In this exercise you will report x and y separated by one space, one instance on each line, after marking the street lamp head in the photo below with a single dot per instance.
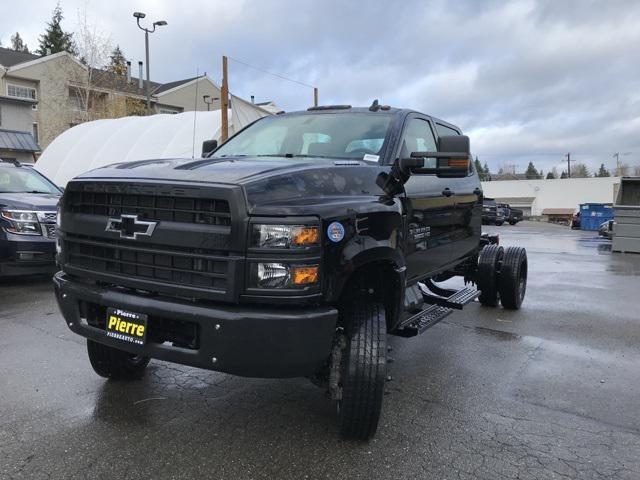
160 23
139 15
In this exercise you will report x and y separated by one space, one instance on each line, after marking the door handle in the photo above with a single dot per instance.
447 192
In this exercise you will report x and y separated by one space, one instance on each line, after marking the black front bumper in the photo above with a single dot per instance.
247 341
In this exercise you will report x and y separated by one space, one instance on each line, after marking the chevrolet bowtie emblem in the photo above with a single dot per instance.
128 226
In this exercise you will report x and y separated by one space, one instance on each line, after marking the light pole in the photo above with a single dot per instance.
138 16
208 99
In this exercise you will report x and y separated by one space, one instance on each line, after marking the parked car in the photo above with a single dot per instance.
515 215
28 202
292 250
491 214
606 229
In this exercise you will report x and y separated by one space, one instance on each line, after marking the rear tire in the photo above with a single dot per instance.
513 278
364 369
498 224
487 279
110 362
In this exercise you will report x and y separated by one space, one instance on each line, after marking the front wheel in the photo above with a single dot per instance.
364 369
110 362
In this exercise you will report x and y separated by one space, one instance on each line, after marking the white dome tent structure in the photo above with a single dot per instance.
104 142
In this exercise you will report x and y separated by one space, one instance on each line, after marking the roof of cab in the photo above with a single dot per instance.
325 109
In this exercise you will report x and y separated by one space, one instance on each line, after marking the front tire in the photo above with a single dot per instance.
109 362
364 369
513 278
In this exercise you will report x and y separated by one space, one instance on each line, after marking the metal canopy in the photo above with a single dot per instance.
17 141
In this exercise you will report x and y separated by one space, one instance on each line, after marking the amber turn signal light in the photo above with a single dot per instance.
304 275
306 236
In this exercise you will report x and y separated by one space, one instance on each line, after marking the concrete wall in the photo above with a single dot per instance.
559 193
25 157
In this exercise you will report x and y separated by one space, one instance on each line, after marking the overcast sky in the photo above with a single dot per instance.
527 80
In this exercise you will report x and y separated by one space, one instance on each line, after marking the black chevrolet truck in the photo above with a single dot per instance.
292 250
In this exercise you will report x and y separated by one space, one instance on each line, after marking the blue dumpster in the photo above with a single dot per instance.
593 214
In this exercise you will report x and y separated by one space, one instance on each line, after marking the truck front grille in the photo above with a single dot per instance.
188 253
186 267
151 207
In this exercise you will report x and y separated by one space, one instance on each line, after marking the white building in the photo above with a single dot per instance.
534 196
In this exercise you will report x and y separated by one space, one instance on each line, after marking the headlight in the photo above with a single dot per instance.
282 275
22 222
284 236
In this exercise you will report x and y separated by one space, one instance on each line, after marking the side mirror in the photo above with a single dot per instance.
208 146
451 160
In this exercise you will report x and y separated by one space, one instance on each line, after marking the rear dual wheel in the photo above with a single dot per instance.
502 274
512 282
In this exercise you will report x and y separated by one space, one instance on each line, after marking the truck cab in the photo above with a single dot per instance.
293 249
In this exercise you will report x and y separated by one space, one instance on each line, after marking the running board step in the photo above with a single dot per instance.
421 321
456 301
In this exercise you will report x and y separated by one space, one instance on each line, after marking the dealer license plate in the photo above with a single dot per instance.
127 326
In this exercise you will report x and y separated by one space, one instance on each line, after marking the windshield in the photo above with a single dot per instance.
343 135
24 180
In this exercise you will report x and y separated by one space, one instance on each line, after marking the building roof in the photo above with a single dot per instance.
114 81
100 78
9 58
168 86
17 141
558 211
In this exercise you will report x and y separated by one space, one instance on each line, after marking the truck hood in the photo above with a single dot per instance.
268 182
29 201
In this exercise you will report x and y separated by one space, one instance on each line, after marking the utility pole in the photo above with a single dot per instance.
224 103
568 155
315 96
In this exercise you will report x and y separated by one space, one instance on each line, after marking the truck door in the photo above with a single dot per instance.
467 212
429 206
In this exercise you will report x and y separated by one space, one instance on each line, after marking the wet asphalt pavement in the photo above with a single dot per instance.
550 391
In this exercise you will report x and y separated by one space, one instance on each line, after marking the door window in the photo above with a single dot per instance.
418 137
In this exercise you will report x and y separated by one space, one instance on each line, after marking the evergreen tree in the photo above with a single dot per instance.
564 174
55 38
580 170
487 172
603 172
531 172
479 168
18 44
550 176
541 174
117 62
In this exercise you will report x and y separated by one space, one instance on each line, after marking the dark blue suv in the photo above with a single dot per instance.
28 205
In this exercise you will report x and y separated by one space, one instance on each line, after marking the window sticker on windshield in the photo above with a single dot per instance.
370 158
4 179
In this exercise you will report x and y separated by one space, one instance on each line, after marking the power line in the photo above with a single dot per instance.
278 75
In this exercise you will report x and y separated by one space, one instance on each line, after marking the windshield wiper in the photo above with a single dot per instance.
34 191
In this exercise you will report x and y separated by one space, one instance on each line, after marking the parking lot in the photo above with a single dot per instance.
550 391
